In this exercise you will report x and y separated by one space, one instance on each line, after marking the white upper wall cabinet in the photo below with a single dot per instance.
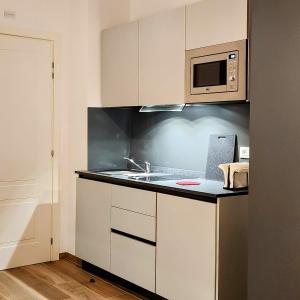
120 74
212 22
162 58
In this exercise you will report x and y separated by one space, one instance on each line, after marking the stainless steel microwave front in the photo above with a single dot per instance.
216 73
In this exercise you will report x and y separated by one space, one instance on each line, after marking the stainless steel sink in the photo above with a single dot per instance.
132 174
118 173
148 175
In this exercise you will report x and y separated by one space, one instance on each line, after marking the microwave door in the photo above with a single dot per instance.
209 74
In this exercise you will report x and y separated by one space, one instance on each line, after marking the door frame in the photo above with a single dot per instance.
56 52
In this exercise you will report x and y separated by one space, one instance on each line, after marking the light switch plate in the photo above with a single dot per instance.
244 152
9 14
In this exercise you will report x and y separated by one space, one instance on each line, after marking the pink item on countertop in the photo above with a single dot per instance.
188 182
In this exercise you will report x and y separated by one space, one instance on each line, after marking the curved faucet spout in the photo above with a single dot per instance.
147 168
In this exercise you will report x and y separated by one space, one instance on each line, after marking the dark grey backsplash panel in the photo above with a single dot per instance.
109 132
167 139
180 140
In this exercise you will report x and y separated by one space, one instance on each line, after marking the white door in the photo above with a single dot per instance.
26 99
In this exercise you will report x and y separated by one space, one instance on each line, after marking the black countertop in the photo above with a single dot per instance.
208 190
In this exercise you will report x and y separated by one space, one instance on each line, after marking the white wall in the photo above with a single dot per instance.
89 20
142 8
79 23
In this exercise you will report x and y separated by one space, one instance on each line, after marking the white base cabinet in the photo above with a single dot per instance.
133 222
133 260
93 204
176 247
201 248
135 200
136 224
186 248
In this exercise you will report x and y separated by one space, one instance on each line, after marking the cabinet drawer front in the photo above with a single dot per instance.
134 223
133 261
140 201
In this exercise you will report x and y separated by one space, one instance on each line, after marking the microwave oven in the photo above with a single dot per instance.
216 73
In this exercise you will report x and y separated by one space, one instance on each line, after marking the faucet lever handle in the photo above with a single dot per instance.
147 167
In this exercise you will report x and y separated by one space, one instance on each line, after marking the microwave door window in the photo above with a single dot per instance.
210 74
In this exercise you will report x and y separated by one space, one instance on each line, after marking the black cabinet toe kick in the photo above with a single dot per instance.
133 237
124 284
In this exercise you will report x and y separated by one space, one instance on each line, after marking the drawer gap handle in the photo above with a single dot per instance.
133 237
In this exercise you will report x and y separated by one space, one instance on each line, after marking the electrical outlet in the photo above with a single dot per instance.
244 152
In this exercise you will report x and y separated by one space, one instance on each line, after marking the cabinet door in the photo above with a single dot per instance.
162 58
93 205
212 22
186 248
119 67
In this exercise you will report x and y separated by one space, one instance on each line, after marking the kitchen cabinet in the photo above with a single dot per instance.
162 58
186 248
133 260
212 22
176 247
143 62
201 248
119 75
133 237
140 201
93 204
134 223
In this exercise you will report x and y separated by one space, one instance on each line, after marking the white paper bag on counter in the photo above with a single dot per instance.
236 175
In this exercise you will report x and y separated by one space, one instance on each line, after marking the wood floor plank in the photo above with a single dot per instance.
47 290
71 258
100 286
61 280
78 292
50 275
3 298
12 289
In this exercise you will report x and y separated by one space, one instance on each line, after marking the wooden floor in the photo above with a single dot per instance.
56 280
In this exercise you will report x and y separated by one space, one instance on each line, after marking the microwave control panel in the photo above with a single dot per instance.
232 71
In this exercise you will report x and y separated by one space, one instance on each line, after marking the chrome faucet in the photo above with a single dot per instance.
147 168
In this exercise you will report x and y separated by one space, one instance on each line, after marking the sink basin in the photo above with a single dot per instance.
140 176
119 173
147 175
132 174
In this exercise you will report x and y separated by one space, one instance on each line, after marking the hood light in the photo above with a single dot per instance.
162 108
